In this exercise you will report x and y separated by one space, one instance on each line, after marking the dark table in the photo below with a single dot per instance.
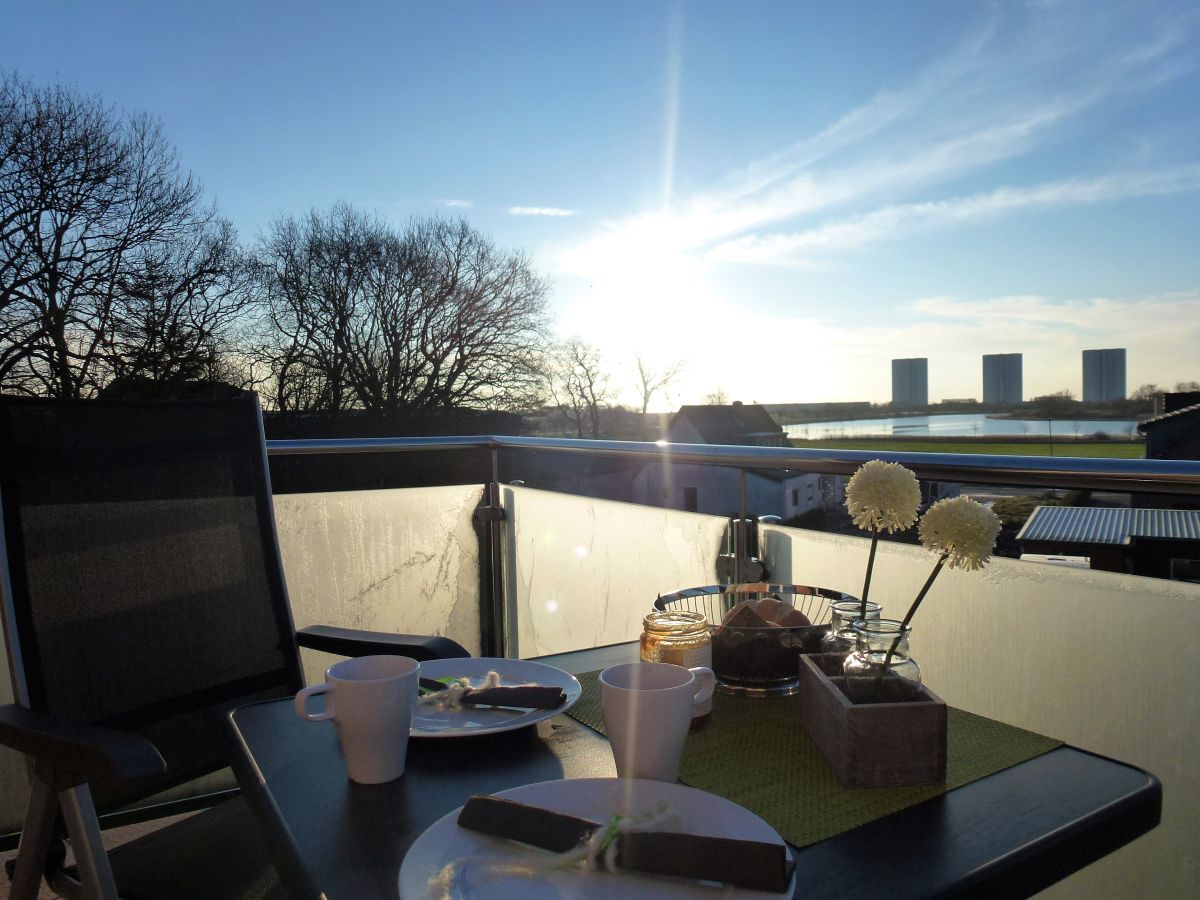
1008 835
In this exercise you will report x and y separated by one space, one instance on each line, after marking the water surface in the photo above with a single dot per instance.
961 425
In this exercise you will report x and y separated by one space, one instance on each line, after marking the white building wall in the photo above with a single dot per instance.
715 490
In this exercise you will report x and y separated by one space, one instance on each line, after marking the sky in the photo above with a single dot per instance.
780 196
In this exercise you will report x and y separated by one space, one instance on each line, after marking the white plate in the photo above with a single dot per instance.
591 798
431 722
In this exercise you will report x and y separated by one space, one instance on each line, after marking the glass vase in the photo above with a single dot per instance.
840 638
880 668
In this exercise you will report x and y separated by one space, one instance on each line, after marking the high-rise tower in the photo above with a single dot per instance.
1002 378
1103 375
910 382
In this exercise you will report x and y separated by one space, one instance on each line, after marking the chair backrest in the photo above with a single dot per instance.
142 581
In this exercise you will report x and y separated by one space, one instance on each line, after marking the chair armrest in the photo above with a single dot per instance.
353 642
89 752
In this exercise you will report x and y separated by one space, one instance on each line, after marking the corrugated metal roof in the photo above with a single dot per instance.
1180 413
1088 525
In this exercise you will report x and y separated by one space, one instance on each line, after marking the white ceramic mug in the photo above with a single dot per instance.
647 713
371 700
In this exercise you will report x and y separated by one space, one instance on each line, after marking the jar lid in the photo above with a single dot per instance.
681 619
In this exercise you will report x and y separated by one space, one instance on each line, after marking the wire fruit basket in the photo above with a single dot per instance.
758 659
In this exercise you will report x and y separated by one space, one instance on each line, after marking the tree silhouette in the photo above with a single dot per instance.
360 315
653 381
578 385
110 266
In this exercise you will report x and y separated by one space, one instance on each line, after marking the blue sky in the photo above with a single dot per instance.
785 195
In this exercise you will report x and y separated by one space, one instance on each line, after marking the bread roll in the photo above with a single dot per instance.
744 615
792 618
765 613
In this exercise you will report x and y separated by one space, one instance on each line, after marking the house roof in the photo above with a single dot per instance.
1186 412
732 424
1090 525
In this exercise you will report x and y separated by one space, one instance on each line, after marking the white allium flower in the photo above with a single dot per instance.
883 495
961 528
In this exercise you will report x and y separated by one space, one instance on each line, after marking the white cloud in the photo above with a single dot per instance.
896 165
1159 333
996 97
458 204
894 221
540 211
832 360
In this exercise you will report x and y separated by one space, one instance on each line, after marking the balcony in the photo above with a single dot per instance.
1095 658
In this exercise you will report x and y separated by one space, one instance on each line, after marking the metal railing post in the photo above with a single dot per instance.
741 545
494 626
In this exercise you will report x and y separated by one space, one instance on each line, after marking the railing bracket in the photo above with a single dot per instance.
489 514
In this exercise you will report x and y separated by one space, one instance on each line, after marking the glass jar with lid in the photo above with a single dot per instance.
680 637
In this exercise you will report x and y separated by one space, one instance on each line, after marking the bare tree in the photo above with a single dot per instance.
181 310
654 381
314 272
1146 392
485 323
1057 405
103 241
717 397
363 316
578 385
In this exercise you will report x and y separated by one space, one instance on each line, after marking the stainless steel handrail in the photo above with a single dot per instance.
1161 476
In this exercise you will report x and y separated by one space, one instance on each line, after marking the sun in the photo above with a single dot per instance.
647 288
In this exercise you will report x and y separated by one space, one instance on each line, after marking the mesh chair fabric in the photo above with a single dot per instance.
146 588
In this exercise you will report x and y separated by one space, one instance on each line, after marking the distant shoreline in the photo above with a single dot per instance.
998 445
803 414
977 439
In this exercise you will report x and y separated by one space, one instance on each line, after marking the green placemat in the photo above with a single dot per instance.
755 753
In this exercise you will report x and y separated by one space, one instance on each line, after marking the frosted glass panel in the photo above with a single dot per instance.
401 561
584 572
1106 662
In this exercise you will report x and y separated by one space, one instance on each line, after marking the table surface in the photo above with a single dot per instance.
1007 835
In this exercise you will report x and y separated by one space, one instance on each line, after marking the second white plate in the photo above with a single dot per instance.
431 722
597 799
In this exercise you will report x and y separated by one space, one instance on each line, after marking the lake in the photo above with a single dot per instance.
960 425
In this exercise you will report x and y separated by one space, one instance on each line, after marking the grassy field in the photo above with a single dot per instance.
1019 447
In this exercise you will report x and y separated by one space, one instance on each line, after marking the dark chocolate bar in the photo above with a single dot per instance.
526 696
527 824
748 864
751 864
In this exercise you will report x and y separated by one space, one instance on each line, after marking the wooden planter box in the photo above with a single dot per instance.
871 744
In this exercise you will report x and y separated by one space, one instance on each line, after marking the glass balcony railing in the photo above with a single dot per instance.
1099 659
549 564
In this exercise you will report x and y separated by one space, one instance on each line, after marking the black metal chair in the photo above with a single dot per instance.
144 597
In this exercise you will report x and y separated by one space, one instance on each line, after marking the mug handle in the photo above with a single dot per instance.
307 692
706 684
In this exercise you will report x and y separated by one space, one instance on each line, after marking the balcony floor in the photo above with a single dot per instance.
113 837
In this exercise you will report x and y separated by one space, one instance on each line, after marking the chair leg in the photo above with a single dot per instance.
83 827
36 836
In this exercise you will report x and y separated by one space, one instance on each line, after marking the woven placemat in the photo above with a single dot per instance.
755 753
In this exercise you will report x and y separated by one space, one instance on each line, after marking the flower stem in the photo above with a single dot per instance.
887 660
925 589
870 566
